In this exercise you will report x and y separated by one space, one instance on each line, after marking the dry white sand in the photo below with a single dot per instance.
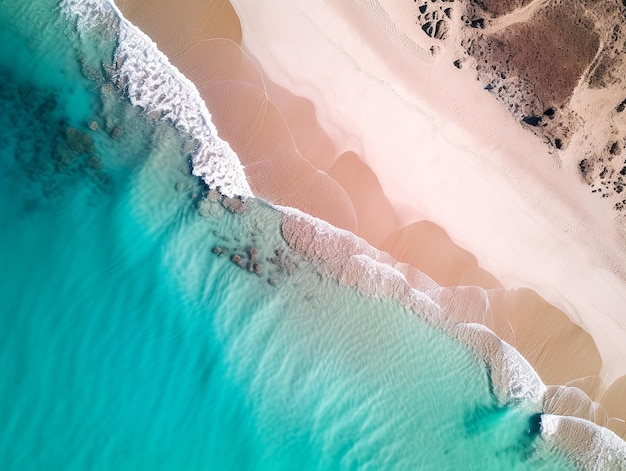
444 150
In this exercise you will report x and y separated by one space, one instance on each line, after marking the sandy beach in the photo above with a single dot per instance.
353 115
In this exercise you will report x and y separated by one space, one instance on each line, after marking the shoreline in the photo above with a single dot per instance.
539 215
375 172
569 418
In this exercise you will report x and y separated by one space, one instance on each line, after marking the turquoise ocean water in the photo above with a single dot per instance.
127 343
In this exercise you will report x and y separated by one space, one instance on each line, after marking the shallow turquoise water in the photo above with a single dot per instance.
128 344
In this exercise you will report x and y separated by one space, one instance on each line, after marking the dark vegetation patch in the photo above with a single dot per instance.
499 7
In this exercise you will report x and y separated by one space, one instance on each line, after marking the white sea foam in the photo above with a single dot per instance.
513 378
344 256
154 84
593 447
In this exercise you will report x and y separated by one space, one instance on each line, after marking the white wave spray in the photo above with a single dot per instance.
153 83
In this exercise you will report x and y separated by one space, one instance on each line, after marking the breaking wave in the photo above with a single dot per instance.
152 83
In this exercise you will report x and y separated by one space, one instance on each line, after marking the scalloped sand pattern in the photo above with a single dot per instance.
352 262
151 82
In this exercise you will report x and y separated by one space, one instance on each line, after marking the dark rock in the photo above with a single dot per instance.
558 143
79 141
478 23
219 251
615 149
428 28
457 63
583 166
619 108
549 112
441 30
532 120
423 8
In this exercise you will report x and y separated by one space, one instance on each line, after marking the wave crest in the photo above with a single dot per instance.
151 82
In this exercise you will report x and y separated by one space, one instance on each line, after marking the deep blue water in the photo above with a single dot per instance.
127 343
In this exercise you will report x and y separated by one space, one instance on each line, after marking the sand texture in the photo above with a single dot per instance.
367 117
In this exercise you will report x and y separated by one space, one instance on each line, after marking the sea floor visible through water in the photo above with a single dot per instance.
132 341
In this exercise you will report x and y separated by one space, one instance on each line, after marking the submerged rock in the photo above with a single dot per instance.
214 195
257 268
95 162
219 251
238 260
235 205
253 253
116 132
64 154
79 141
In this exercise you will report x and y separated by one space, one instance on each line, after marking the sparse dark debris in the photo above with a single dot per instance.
583 166
615 149
478 23
283 262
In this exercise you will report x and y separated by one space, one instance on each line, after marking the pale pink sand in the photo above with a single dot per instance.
427 247
235 94
465 163
257 132
375 216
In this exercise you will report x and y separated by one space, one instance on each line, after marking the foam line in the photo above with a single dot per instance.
154 84
151 82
